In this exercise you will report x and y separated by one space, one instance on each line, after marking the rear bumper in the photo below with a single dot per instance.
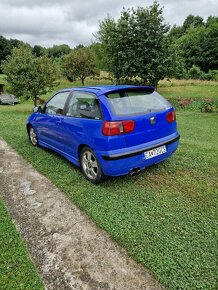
139 151
121 163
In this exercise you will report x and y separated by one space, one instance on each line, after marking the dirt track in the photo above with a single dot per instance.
68 249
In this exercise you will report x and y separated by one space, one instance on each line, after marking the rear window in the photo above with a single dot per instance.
136 102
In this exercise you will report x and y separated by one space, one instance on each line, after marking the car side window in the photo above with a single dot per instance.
84 105
56 105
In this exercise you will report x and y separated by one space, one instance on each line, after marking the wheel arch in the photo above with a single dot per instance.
28 125
80 147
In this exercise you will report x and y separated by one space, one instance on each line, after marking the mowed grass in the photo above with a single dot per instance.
16 269
167 218
188 89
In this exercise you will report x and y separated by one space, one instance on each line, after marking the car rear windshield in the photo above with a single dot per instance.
136 102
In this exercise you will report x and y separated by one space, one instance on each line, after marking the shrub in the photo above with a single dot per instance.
197 74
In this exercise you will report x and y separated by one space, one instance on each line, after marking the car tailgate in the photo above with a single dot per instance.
150 127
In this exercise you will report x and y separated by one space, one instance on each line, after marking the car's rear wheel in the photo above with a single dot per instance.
32 136
90 166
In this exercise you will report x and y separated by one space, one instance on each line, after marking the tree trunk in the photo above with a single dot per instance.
35 101
155 84
118 81
83 79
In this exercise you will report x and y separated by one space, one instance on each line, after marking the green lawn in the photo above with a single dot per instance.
16 269
167 218
189 89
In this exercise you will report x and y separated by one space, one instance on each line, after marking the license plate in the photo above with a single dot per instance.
155 152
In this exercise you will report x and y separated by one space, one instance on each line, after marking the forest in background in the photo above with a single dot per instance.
138 48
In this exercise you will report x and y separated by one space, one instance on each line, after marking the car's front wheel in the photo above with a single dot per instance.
32 136
90 166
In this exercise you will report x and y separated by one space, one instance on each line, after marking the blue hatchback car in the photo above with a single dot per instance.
107 130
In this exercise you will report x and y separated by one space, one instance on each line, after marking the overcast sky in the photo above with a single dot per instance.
49 22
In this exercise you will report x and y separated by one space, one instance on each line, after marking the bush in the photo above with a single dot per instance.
208 107
197 74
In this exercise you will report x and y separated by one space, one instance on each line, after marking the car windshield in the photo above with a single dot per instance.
136 102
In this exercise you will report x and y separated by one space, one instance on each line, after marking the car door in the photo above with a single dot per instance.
82 123
50 122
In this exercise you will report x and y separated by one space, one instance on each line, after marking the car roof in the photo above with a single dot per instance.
101 90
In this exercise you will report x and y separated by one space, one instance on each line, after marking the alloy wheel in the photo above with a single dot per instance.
90 165
33 137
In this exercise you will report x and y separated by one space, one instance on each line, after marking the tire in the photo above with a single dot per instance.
32 136
90 166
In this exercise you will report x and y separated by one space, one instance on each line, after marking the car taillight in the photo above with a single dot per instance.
117 128
171 116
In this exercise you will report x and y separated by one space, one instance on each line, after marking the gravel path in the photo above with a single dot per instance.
68 249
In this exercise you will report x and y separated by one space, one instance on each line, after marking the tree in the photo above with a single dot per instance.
15 43
199 47
209 47
192 21
211 20
99 56
58 51
29 76
137 44
108 36
176 32
78 47
6 46
38 50
196 44
80 63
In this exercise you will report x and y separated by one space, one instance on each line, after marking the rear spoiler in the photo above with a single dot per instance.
148 89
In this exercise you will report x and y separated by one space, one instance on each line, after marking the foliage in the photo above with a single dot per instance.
196 42
178 68
192 21
199 47
58 51
98 53
211 20
208 107
166 218
139 48
136 45
197 74
6 46
28 75
16 268
203 105
80 63
78 47
38 50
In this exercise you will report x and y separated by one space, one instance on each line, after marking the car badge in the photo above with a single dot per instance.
152 120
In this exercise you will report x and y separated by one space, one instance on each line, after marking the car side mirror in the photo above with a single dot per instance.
37 109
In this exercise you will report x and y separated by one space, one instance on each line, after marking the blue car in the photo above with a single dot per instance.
107 130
